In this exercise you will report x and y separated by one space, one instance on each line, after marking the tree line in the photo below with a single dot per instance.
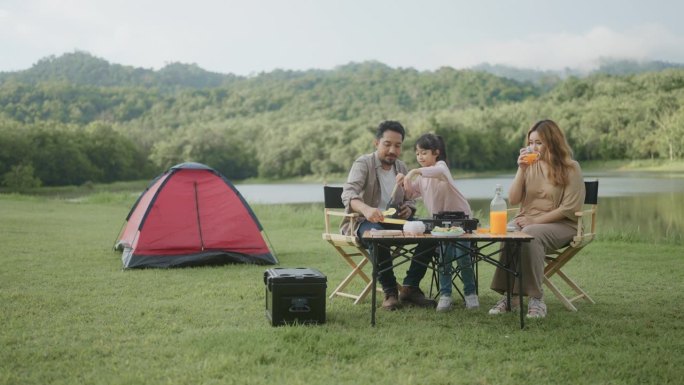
58 130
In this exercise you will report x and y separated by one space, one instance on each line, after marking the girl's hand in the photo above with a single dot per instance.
406 180
400 178
413 173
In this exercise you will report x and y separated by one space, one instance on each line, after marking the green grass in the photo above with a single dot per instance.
71 315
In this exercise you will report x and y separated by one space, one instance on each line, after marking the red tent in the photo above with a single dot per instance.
192 215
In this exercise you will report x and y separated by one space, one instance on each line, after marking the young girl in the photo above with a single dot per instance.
433 181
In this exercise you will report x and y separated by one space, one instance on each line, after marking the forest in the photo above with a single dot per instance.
76 118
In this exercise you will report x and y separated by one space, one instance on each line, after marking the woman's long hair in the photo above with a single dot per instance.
558 153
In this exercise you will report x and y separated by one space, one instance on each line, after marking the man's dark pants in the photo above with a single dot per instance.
417 268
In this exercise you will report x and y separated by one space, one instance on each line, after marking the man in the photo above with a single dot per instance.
367 191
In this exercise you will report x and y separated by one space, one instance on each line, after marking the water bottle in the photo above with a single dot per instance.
497 212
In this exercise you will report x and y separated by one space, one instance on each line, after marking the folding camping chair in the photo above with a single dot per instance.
586 231
348 246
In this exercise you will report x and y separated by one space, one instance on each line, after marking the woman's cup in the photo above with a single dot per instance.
531 157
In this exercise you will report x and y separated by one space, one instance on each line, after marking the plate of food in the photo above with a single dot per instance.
453 231
394 221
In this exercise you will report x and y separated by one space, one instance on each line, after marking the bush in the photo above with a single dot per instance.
20 178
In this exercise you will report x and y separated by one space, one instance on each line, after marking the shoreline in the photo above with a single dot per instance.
624 167
592 167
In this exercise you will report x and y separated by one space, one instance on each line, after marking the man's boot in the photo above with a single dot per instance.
391 301
414 296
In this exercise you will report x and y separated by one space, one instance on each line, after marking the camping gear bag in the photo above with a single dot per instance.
295 295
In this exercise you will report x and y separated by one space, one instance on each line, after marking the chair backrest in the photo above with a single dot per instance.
591 198
591 187
333 197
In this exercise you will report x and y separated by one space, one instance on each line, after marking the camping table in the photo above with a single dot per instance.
401 241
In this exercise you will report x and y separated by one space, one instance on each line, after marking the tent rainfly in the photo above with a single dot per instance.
192 215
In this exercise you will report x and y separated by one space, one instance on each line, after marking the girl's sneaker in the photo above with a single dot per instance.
445 303
471 301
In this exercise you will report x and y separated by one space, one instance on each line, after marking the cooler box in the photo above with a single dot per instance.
295 295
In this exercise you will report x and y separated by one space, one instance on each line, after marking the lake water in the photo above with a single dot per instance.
480 188
643 206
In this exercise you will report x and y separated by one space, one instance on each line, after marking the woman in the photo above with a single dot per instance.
549 190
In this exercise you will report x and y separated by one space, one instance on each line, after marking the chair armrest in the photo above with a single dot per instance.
580 238
337 212
343 214
581 213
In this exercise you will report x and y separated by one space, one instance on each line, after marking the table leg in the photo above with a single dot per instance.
374 261
509 286
473 262
518 246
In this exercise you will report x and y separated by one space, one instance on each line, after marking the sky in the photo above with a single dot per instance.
253 36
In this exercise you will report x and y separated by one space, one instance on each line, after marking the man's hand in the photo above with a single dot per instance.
404 211
373 214
400 178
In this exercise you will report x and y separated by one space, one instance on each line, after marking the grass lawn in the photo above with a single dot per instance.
71 315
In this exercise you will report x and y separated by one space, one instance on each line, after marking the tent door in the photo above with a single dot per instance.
199 222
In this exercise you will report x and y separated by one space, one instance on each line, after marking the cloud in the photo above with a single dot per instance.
239 37
581 51
69 10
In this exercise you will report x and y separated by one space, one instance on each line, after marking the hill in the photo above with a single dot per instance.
550 77
109 122
82 68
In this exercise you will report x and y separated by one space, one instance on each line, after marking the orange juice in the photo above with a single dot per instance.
531 157
497 222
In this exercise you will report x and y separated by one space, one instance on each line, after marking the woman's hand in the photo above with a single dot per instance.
522 163
524 221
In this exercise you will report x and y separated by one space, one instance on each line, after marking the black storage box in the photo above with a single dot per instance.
295 295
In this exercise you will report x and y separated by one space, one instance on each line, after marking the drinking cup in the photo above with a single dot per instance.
531 157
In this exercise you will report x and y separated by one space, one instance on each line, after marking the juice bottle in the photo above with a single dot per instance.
497 212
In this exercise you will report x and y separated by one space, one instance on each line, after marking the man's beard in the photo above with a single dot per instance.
388 161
